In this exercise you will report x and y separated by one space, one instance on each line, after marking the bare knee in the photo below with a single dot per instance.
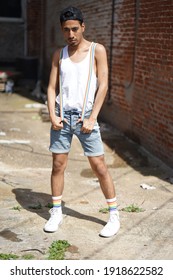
101 170
99 167
59 165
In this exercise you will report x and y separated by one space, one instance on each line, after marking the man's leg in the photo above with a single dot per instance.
99 167
59 163
57 185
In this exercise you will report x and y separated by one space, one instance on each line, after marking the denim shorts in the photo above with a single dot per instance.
60 140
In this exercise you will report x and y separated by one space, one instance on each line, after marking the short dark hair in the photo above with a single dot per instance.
71 13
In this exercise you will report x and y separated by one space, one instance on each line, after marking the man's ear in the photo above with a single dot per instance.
83 26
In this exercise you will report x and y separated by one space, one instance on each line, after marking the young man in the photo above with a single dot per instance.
82 86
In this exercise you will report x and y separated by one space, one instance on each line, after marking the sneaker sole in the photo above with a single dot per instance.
51 231
107 236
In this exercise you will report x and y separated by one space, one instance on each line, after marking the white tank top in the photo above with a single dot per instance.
74 78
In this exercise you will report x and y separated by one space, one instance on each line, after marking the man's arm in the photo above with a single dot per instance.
51 93
102 76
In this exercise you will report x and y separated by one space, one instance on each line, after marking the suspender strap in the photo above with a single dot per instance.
91 66
60 87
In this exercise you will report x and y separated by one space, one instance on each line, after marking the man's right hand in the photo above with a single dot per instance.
57 123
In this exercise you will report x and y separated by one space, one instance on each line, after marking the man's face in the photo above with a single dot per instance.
73 32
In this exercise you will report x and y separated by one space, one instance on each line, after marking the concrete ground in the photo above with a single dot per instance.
25 168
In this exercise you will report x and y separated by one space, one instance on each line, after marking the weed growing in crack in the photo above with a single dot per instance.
133 208
57 250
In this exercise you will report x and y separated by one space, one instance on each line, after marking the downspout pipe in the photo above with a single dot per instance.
41 56
110 53
24 14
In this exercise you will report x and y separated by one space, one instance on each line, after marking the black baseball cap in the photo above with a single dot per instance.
71 13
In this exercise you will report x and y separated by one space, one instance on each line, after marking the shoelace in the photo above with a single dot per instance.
53 213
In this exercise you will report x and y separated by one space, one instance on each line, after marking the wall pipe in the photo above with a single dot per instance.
110 52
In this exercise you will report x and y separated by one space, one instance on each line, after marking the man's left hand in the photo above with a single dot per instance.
88 125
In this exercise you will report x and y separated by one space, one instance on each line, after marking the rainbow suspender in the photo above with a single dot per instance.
91 66
60 88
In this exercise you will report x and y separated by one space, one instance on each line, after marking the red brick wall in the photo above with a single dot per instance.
152 107
140 98
122 67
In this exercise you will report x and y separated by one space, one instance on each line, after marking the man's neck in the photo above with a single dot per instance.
82 45
79 52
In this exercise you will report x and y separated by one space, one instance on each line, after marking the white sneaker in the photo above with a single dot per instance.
54 221
112 227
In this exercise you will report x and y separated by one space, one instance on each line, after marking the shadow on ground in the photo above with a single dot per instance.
39 203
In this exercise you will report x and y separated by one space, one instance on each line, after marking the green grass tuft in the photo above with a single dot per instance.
133 208
8 256
57 250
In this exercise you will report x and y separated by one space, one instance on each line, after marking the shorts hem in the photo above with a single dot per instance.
93 154
58 151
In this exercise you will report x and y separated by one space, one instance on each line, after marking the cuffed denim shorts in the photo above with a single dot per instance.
60 140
